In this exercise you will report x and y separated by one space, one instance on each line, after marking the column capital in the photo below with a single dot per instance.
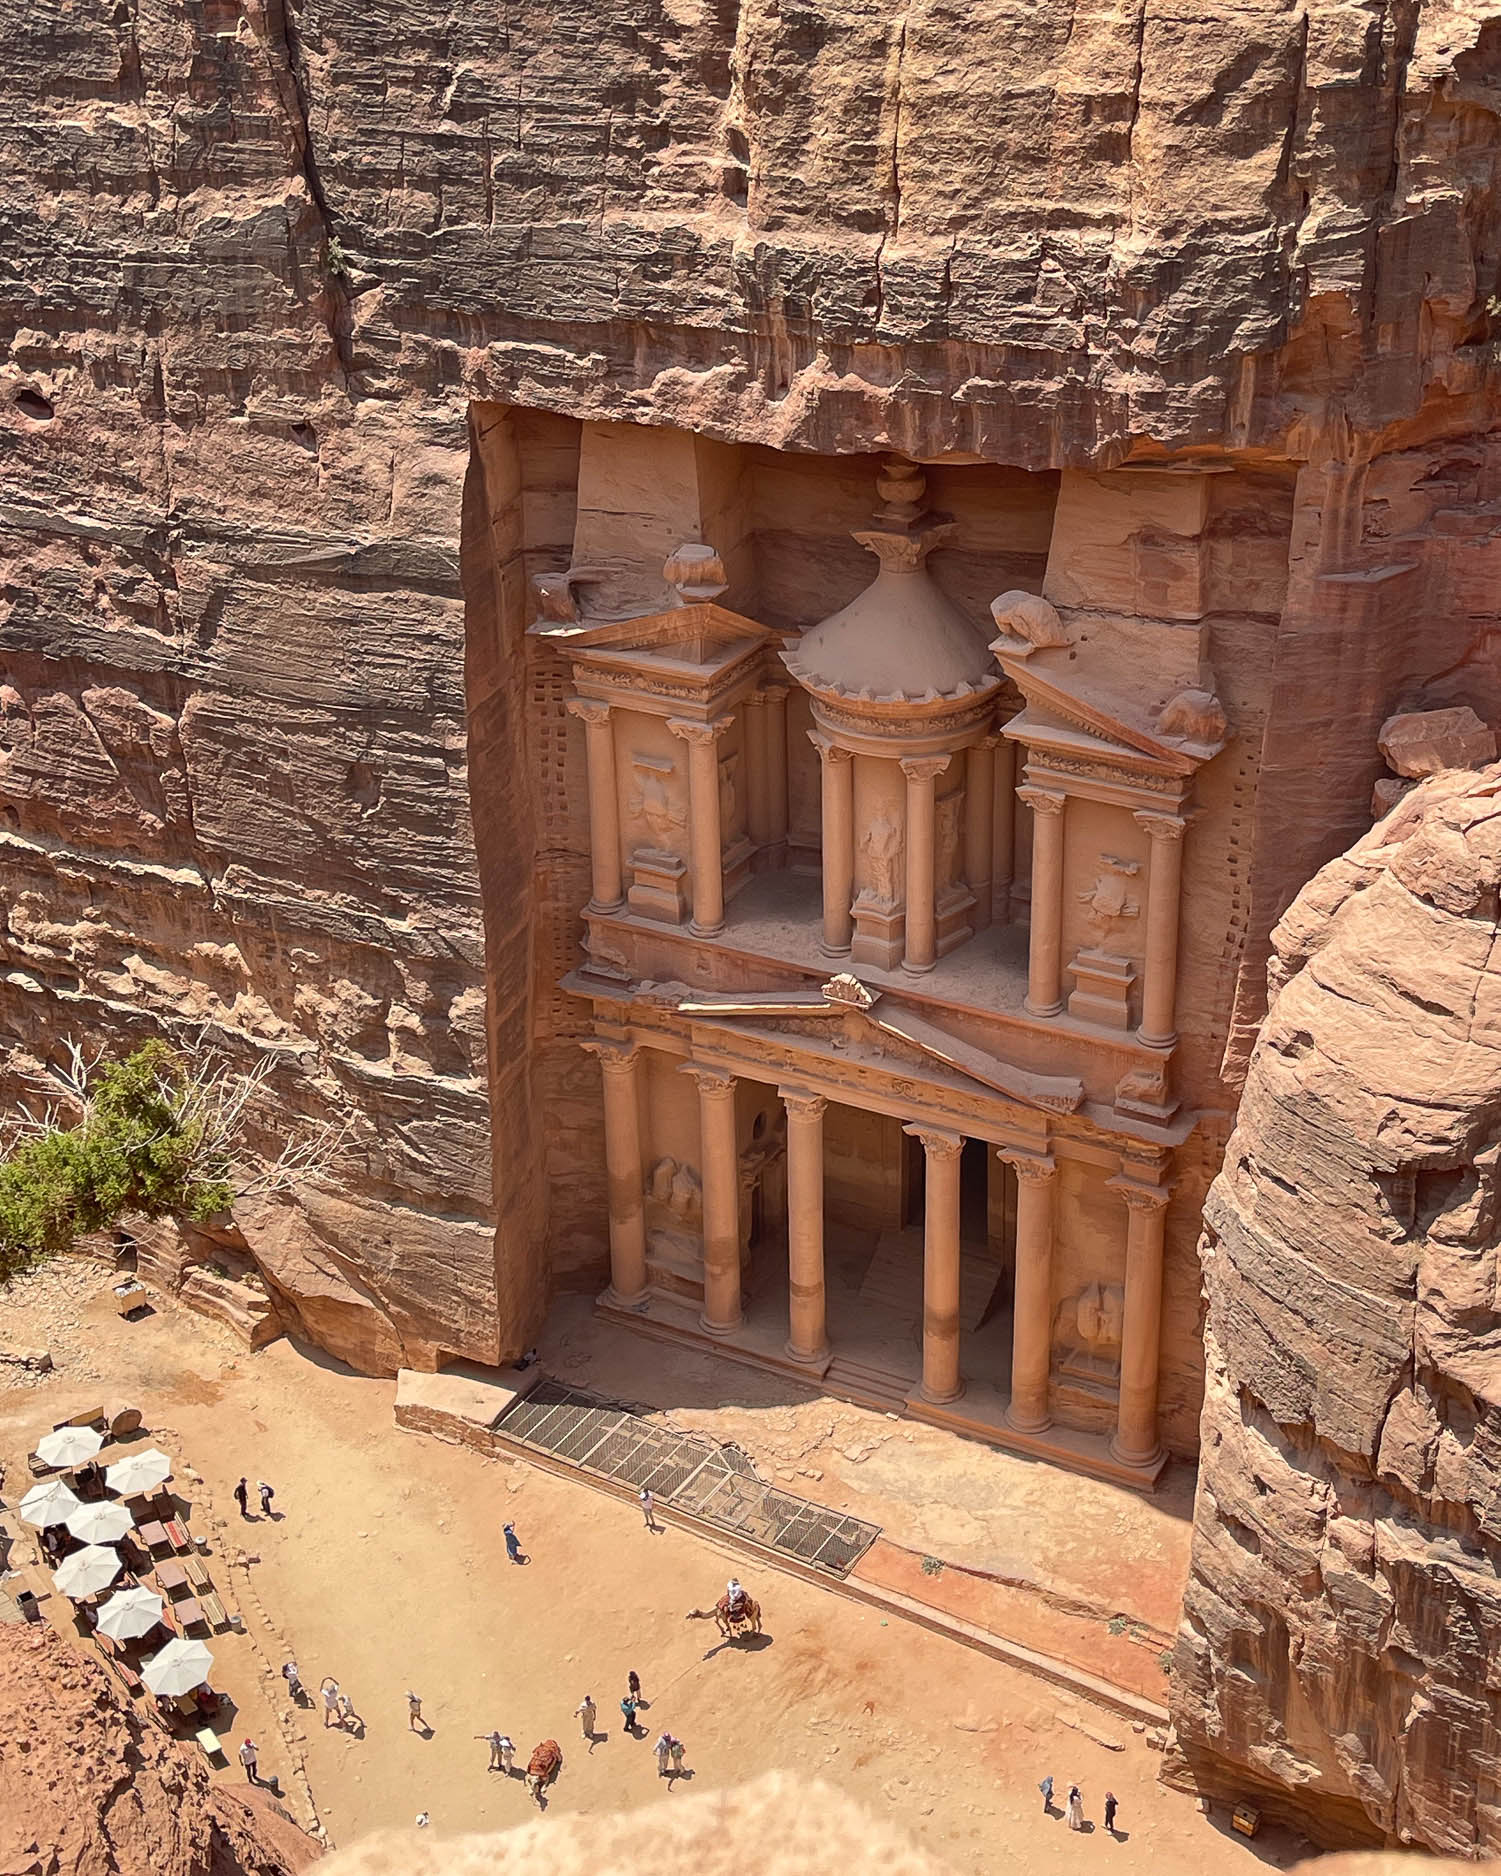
1028 1165
701 734
588 709
615 1058
772 692
938 1142
1042 800
828 749
802 1103
1160 826
1139 1197
992 740
924 768
713 1083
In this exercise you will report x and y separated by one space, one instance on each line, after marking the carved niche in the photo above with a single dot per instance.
658 870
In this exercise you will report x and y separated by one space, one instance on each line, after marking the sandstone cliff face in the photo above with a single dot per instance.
261 757
86 1787
1343 1616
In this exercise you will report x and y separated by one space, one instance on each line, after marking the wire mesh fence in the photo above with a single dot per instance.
713 1481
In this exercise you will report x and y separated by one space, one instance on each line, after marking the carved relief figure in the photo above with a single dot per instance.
1109 898
881 845
655 803
675 1187
1087 1331
946 812
729 795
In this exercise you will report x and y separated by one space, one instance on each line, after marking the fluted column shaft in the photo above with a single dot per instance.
1164 889
607 892
1032 1302
706 835
758 770
1136 1441
941 1264
719 1174
1045 956
776 764
624 1171
979 828
1005 826
838 844
920 949
807 1337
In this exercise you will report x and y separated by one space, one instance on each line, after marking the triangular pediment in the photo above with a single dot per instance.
704 634
1117 720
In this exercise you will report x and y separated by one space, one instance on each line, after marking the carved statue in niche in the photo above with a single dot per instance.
1109 898
1087 1332
946 812
881 845
674 1185
655 803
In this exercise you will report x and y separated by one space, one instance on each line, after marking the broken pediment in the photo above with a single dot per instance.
1166 729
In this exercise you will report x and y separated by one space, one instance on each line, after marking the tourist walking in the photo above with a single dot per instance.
648 1509
415 1721
1075 1808
663 1750
266 1496
293 1679
330 1693
677 1756
347 1715
628 1708
633 1687
513 1543
584 1713
250 1759
1111 1804
242 1498
507 1753
496 1742
1046 1788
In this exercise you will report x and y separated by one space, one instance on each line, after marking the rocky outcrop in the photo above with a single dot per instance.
1343 1614
264 769
86 1786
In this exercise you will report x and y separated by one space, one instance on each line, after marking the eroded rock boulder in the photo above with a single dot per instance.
1426 742
1342 1619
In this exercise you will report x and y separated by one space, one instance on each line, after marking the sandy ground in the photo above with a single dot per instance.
386 1570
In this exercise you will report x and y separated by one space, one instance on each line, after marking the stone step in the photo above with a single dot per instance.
866 1386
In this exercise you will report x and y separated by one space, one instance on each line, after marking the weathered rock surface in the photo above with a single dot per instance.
1426 742
1342 1621
263 763
85 1787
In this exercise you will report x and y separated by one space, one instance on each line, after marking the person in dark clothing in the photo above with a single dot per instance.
242 1498
1046 1788
266 1496
513 1544
1110 1807
633 1687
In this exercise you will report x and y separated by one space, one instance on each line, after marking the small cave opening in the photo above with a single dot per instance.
32 404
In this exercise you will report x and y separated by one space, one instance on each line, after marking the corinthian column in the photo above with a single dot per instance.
940 1264
707 839
979 827
920 948
1164 885
1045 955
1136 1442
625 1174
807 1337
1032 1300
838 844
604 804
719 1172
776 766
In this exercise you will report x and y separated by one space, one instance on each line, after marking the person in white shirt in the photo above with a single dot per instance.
249 1758
330 1693
498 1743
663 1750
648 1509
585 1713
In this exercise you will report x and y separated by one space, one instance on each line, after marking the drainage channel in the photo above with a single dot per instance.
713 1481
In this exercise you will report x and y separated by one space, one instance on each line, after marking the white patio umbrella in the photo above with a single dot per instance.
48 1503
87 1571
69 1446
130 1613
138 1473
180 1667
101 1523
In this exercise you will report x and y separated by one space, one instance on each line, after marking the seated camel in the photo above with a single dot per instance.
543 1767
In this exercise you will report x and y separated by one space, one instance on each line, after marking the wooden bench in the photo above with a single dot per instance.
177 1535
210 1742
93 1417
213 1610
196 1574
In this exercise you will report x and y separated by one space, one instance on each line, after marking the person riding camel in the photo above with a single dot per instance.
734 1596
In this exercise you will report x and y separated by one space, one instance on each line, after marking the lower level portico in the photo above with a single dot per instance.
802 1191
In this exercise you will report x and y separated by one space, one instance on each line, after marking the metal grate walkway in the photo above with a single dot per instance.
714 1482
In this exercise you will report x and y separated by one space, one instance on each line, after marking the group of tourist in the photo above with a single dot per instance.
1074 1811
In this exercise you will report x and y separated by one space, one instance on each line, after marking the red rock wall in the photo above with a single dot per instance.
259 265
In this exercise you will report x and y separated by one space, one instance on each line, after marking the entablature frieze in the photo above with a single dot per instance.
1107 782
904 733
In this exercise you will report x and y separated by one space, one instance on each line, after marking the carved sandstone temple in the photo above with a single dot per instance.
882 940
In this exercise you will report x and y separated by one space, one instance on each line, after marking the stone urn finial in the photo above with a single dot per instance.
902 487
695 573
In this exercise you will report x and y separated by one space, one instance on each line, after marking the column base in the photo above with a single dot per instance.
613 1299
825 949
1154 1456
1043 1009
705 931
1148 1041
600 908
815 1358
1021 1422
719 1328
935 1398
917 970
